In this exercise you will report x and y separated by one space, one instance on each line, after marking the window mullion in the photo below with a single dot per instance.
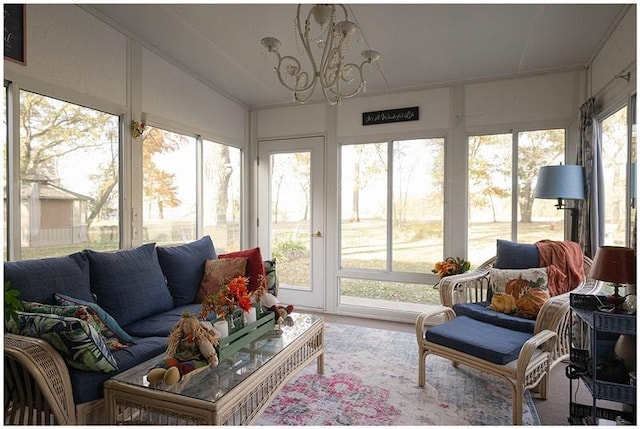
199 187
390 145
514 186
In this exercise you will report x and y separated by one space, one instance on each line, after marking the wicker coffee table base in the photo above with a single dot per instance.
128 404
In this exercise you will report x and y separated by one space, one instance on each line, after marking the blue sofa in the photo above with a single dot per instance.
145 290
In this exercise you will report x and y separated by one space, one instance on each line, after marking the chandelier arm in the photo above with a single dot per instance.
304 37
355 90
297 75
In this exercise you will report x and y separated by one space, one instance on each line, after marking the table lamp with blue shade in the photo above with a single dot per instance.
562 182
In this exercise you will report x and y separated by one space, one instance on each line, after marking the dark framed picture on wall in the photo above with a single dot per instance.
14 33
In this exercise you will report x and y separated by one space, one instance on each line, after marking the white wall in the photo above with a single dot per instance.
69 49
617 54
169 93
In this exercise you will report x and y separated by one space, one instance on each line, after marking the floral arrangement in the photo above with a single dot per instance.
451 266
232 295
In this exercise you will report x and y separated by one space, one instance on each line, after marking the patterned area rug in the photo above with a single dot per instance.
371 378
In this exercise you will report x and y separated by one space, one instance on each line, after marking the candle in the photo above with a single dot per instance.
251 315
222 327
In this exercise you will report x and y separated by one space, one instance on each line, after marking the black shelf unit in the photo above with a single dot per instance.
603 329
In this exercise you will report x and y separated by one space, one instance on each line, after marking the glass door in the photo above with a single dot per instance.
291 216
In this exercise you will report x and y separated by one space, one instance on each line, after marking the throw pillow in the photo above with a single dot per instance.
255 267
530 303
38 279
79 344
510 255
218 272
77 311
129 284
273 283
183 266
108 325
515 282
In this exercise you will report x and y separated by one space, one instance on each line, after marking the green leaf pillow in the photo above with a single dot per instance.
77 341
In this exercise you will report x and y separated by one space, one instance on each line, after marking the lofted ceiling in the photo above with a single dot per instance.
422 45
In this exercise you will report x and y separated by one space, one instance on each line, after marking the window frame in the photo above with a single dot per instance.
388 275
515 129
200 141
13 88
605 113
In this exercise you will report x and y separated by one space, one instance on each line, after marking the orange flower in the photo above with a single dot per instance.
244 302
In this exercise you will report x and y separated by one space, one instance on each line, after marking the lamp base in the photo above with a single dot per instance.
615 301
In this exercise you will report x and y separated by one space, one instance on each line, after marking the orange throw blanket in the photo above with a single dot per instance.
564 263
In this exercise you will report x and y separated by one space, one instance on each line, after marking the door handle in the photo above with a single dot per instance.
317 234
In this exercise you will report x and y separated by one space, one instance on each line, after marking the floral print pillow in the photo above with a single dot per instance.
217 273
77 341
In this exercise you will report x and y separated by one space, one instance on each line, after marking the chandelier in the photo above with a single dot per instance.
338 78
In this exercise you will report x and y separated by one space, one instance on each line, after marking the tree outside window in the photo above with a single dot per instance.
69 170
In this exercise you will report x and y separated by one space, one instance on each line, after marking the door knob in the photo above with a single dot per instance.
317 234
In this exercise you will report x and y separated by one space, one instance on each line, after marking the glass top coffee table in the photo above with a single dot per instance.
233 393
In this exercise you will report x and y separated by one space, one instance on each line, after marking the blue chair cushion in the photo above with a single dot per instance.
183 266
510 255
88 385
39 279
479 311
482 340
129 284
159 325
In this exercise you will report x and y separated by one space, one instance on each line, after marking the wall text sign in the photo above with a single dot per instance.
392 115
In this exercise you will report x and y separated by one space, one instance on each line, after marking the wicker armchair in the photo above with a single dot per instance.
548 346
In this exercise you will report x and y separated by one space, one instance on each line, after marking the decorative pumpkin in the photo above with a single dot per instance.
530 303
503 302
515 287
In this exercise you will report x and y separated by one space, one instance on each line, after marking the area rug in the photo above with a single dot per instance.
371 379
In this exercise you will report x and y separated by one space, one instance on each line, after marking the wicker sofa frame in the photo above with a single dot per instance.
548 346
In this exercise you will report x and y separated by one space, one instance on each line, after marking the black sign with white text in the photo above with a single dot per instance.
393 115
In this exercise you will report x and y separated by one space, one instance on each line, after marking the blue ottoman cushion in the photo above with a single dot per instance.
483 340
129 284
39 279
479 311
183 266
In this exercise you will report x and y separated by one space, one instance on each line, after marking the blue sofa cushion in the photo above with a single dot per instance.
183 266
479 311
510 255
483 340
129 284
87 386
159 325
39 279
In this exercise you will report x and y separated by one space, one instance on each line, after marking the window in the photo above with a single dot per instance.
174 211
221 195
615 159
391 220
496 193
69 177
169 187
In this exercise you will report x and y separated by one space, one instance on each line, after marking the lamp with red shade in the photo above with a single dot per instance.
616 265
